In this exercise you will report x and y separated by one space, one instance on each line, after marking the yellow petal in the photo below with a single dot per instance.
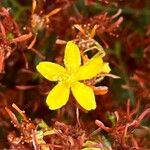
91 68
105 68
84 95
51 71
58 96
72 58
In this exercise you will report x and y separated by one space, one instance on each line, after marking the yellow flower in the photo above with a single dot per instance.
69 77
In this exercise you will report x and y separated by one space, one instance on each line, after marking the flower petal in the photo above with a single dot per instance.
58 96
105 68
51 71
91 68
84 95
72 58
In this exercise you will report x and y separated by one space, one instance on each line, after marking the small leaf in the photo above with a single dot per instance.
89 145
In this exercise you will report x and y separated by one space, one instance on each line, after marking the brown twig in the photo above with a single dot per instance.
22 113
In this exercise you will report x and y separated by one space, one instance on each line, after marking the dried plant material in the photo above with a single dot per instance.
22 38
100 90
124 130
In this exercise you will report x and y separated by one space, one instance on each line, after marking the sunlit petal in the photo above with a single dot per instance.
51 71
91 68
72 58
84 95
58 96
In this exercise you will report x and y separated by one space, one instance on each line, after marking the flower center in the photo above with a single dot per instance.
69 79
